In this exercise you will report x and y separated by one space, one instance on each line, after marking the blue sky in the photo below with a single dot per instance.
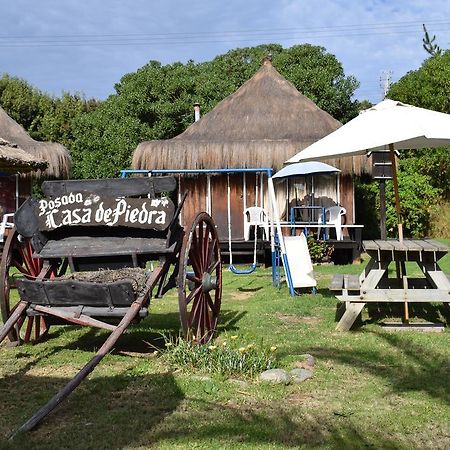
86 47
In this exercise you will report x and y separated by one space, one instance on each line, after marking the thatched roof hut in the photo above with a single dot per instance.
13 159
265 122
56 155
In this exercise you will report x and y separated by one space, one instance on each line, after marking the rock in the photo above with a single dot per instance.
307 360
279 376
300 375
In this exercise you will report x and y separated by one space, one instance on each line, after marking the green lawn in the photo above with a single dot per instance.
371 388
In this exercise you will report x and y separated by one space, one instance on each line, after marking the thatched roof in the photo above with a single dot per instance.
264 123
56 155
13 159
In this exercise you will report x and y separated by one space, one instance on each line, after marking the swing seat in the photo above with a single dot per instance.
237 271
257 217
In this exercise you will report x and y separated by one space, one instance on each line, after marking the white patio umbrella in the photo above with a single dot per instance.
308 169
305 168
388 125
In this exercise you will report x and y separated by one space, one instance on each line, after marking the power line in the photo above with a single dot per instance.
208 37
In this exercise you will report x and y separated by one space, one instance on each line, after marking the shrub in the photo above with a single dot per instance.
319 250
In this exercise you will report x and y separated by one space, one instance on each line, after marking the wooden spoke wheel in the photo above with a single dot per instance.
200 280
16 263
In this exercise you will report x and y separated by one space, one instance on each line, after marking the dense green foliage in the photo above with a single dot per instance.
428 87
418 200
156 101
46 118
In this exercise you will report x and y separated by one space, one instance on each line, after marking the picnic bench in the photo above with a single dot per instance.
381 283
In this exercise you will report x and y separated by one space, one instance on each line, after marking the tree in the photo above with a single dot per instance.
428 45
428 87
44 117
156 101
25 104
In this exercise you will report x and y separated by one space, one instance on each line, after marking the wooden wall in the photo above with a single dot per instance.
197 201
8 192
325 194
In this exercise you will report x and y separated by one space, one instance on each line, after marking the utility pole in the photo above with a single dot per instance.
385 82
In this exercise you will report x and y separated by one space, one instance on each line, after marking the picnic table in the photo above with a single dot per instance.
377 284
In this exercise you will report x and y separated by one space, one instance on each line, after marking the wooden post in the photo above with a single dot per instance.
396 193
383 209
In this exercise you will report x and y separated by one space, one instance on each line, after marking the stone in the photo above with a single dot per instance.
300 375
308 360
279 376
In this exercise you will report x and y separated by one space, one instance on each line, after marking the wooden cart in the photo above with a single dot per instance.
94 252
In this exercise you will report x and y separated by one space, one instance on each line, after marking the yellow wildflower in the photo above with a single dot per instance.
273 348
234 337
242 349
224 343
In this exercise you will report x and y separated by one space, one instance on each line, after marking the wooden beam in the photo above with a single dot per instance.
352 311
81 320
13 318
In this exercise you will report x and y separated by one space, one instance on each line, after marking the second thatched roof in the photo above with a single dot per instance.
56 155
264 123
15 160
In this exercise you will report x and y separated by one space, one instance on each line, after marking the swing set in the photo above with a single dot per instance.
278 252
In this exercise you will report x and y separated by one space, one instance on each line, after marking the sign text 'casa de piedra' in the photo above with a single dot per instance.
87 209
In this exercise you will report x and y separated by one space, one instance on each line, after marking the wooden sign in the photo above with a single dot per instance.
88 209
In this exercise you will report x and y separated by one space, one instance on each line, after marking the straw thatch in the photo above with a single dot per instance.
56 155
13 159
264 123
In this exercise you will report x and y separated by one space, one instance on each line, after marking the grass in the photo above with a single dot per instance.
371 388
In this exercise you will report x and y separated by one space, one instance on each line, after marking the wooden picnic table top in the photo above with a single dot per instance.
407 245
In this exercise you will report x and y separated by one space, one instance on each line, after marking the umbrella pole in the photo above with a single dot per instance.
397 196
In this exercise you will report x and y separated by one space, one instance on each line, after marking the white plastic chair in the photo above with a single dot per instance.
333 216
257 217
7 222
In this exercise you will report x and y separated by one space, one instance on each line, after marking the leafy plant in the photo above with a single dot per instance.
227 357
319 250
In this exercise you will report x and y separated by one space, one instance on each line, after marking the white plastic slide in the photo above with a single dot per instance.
299 261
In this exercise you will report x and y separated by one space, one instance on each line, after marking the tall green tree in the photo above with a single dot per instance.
45 117
428 87
156 101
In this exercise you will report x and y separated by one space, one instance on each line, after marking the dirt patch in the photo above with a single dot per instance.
300 398
292 319
53 372
241 295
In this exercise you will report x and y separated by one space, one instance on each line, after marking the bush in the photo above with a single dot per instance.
418 200
319 250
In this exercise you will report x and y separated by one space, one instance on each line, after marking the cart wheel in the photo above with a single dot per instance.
16 263
200 280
